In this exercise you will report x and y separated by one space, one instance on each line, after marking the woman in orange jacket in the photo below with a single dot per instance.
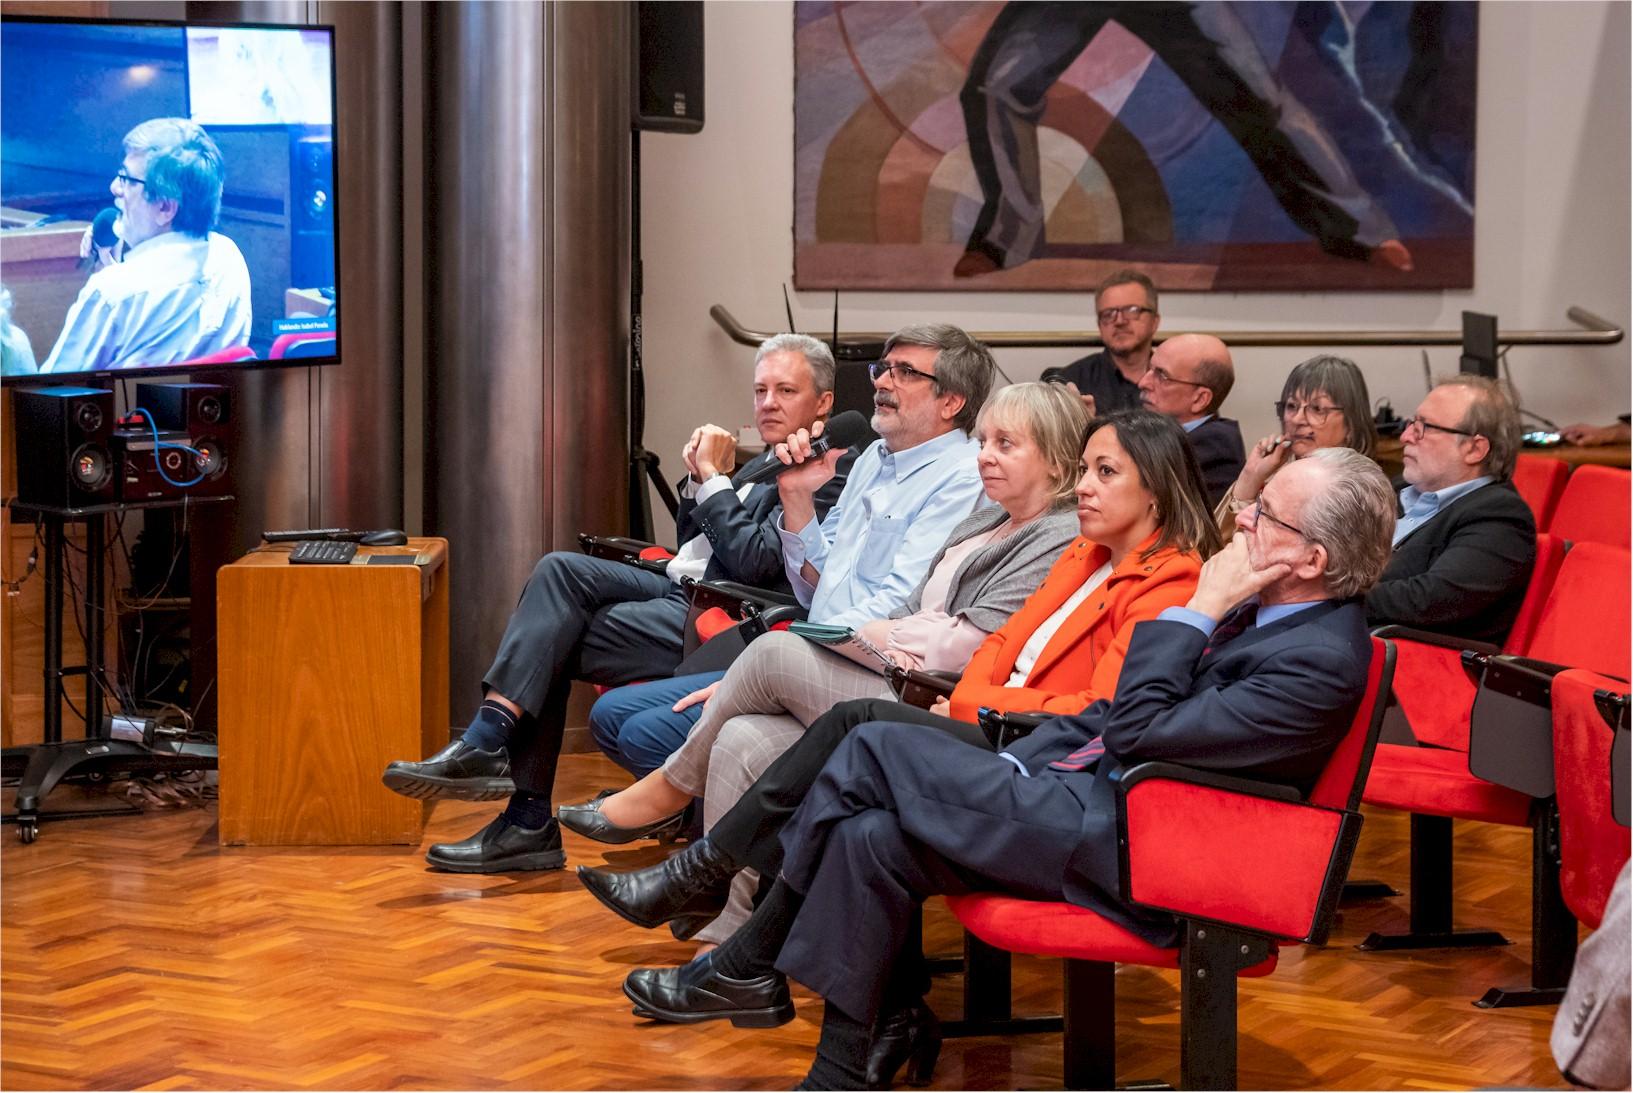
1080 660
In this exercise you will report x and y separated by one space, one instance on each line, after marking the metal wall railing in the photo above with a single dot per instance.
1594 331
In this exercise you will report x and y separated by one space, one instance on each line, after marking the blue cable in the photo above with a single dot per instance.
158 444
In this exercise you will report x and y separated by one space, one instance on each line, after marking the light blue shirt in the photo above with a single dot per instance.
1419 508
1192 426
876 543
174 297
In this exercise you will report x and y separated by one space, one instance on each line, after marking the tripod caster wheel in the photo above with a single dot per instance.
28 830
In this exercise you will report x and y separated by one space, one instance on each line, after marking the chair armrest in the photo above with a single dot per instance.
1218 848
921 688
1230 783
1511 724
1613 708
1003 727
635 552
1443 641
740 599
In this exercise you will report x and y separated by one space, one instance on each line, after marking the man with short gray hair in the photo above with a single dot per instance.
1466 541
611 623
173 289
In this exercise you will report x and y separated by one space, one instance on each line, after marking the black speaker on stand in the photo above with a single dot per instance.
667 97
64 459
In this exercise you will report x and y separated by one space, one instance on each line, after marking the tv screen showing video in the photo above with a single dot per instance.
167 198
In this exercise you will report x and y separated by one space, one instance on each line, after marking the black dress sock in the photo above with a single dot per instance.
752 951
491 727
529 810
842 1053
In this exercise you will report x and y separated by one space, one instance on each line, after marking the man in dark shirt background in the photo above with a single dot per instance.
1125 305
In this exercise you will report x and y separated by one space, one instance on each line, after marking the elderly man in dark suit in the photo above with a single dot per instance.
1465 541
1259 674
1189 377
589 618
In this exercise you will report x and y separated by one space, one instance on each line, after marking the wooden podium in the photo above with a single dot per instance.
326 674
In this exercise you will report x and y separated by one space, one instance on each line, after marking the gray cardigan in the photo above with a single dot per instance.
991 584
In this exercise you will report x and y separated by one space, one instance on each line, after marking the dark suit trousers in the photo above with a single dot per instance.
580 618
748 833
901 813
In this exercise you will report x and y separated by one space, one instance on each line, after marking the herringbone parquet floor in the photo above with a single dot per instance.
136 953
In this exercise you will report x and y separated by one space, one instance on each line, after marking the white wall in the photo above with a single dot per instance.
1552 229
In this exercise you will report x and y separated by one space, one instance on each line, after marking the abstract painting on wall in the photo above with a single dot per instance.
1214 145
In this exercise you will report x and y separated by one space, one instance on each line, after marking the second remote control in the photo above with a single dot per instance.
322 552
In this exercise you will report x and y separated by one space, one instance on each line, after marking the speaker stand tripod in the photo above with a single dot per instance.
40 767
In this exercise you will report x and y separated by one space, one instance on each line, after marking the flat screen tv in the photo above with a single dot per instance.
167 198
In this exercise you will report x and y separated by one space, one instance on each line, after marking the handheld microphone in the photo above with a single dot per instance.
846 430
102 235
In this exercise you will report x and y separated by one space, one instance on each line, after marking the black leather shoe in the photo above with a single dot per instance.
695 992
586 819
502 847
690 888
911 1036
458 772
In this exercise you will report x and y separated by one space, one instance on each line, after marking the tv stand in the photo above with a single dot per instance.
41 767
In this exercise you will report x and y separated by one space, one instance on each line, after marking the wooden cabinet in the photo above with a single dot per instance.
326 674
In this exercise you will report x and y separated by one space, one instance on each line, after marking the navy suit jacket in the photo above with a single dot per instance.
743 533
1270 705
1217 443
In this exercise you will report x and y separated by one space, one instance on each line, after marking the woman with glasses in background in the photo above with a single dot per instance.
1323 404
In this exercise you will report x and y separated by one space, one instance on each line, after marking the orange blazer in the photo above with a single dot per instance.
1081 662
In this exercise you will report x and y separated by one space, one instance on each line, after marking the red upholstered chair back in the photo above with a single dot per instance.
1344 778
1594 507
1550 553
1592 845
231 355
1539 480
1585 622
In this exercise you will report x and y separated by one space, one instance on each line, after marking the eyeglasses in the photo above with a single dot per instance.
1423 426
129 180
899 372
1258 510
1128 312
1289 410
1165 376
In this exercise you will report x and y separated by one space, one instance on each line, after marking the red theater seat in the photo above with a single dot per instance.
1171 823
231 355
1583 623
312 343
1592 846
1539 480
1594 507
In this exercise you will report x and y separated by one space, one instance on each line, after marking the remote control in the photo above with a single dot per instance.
342 534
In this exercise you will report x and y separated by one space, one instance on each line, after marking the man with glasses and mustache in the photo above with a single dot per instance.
174 289
904 495
1125 306
1189 377
1465 541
